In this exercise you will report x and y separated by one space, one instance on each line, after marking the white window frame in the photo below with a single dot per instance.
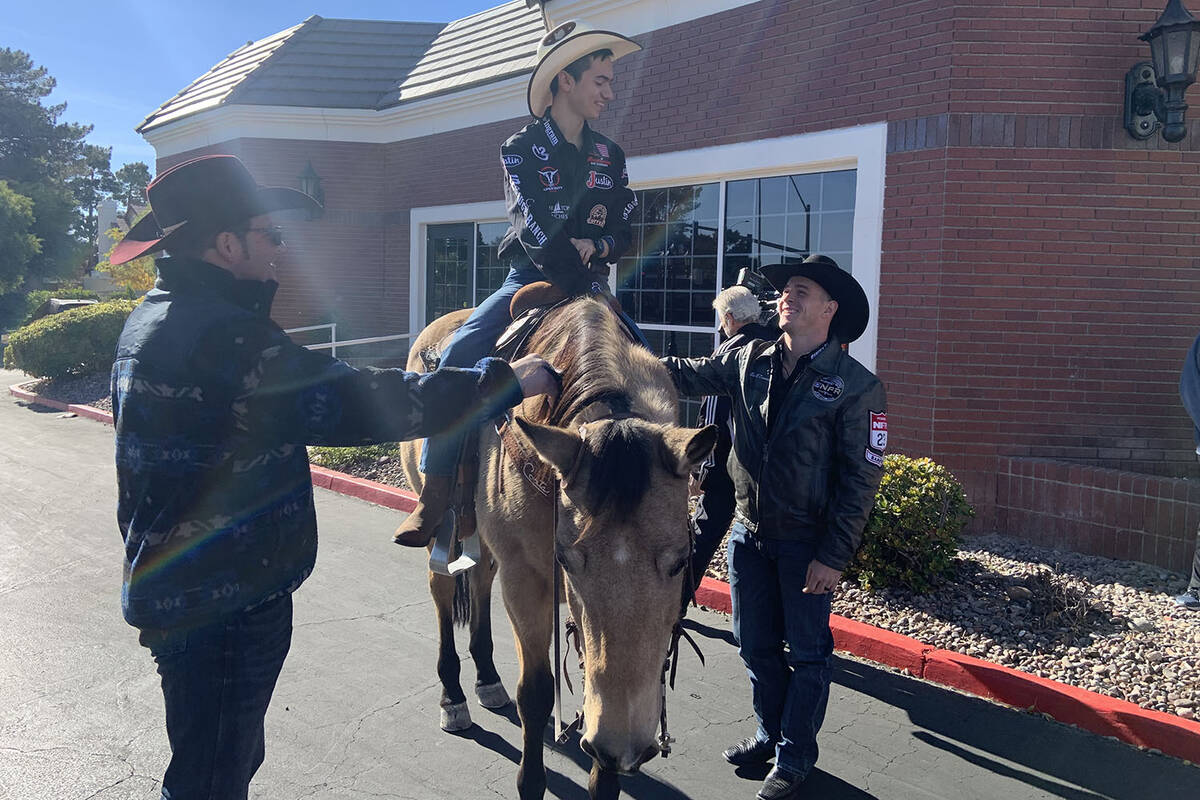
419 221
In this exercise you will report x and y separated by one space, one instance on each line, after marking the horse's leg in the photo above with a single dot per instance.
488 687
528 603
603 784
455 716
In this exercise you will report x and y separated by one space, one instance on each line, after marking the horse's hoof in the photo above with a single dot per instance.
456 717
493 695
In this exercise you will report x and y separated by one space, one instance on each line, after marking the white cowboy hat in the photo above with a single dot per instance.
564 45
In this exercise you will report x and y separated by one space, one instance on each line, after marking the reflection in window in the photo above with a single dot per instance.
449 266
789 216
669 275
462 265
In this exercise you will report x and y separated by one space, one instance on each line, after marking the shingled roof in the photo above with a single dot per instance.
342 63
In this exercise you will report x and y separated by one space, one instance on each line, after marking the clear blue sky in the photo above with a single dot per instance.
116 60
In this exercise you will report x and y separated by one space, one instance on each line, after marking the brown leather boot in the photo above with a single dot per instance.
422 523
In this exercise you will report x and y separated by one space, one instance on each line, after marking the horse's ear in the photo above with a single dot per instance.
687 447
556 446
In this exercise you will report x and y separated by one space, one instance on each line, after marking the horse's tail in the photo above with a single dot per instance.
461 604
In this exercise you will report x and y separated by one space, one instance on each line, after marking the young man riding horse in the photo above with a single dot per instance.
569 204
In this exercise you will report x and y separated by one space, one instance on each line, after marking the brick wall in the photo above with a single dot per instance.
1113 513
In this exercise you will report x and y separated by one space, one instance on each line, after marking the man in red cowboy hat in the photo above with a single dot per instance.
810 427
569 205
213 406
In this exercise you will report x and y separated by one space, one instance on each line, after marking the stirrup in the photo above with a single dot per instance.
443 546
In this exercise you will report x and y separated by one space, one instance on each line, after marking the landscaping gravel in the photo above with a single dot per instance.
1096 623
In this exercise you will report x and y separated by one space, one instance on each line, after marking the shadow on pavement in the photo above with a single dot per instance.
954 723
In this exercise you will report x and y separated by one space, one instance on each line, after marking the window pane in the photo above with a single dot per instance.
803 190
773 195
679 308
799 236
837 231
772 233
739 198
449 259
837 190
489 273
708 199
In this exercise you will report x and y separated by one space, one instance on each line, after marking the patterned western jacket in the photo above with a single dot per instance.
213 406
556 192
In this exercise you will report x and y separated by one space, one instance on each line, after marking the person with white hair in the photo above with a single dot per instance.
738 311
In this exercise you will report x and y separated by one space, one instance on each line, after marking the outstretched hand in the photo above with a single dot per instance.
536 376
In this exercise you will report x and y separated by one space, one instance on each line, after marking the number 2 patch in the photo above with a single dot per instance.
879 430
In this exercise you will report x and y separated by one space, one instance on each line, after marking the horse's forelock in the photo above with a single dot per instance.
618 468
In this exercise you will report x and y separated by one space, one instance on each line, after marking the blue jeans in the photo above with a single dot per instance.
217 682
790 687
474 340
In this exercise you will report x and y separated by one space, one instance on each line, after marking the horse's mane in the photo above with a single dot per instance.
599 365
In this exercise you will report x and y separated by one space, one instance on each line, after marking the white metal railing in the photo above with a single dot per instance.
352 342
332 344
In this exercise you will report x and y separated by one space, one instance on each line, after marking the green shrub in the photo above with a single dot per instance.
77 341
915 528
341 459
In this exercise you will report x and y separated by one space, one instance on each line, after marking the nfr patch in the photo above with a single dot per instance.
879 430
828 388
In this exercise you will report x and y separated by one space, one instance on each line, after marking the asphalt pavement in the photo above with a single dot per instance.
356 711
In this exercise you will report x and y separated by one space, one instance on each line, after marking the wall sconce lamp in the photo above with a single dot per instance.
1154 89
310 184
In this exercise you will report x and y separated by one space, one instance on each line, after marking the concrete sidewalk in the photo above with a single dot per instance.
356 709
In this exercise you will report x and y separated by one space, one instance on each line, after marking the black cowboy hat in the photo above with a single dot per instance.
213 190
850 319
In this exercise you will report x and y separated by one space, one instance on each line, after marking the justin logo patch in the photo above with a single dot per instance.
828 388
598 215
879 430
873 457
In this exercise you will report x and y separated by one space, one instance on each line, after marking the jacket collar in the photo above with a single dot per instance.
826 361
184 275
556 139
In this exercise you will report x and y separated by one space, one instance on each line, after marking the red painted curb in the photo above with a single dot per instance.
1091 711
89 412
876 644
371 491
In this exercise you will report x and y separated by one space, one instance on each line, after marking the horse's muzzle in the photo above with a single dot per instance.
613 763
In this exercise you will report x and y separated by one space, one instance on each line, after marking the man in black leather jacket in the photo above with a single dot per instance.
810 427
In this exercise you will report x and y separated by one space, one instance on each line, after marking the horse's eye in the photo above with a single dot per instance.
678 567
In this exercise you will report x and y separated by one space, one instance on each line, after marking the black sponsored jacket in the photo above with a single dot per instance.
815 477
213 405
555 193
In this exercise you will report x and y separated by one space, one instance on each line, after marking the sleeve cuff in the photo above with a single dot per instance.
499 389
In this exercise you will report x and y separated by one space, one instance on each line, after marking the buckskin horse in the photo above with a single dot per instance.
594 484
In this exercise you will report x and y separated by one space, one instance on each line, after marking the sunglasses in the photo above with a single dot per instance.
274 233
